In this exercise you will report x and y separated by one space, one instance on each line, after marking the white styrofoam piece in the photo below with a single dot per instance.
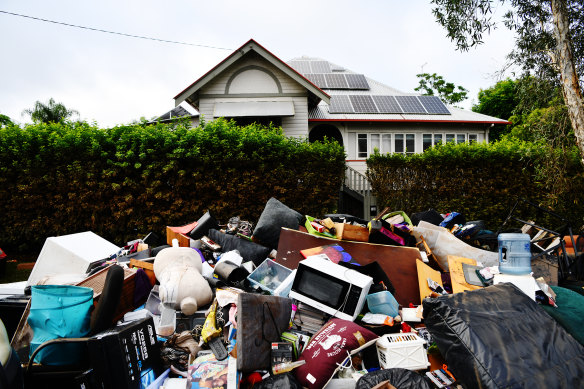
70 254
12 288
526 283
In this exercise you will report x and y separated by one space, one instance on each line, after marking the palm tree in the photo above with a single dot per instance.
49 113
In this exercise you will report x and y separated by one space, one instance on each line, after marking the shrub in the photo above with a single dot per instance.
129 180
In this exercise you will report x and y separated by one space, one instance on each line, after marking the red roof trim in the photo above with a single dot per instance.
235 52
408 121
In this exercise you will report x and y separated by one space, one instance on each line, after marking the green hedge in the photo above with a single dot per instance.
123 182
480 180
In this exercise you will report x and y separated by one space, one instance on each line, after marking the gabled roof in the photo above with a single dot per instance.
190 93
355 97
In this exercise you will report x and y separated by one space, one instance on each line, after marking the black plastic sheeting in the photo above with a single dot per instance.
400 378
497 337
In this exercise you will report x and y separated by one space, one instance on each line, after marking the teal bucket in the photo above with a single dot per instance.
59 311
514 253
383 303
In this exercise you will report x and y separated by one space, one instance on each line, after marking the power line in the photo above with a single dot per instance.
113 32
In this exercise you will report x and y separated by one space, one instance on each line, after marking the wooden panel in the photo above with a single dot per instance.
425 272
398 263
457 279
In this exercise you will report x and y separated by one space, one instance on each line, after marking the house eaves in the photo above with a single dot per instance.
190 93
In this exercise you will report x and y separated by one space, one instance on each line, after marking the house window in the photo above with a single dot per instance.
437 139
375 143
404 143
368 143
460 138
410 143
472 138
426 141
385 143
398 143
361 145
449 138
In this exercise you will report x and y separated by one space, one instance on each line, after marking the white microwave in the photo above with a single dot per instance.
332 288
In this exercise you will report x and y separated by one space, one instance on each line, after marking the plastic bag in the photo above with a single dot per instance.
280 381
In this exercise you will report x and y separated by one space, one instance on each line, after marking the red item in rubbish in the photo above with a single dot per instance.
2 254
317 227
405 327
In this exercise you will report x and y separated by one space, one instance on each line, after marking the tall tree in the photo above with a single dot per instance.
51 112
435 85
549 40
5 121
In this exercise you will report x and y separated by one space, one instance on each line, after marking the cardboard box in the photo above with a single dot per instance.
346 231
124 356
183 240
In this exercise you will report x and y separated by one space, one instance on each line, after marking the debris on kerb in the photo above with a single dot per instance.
291 300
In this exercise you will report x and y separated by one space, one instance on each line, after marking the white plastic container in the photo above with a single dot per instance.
70 254
514 254
269 275
405 351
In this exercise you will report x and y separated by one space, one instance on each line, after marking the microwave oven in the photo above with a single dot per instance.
332 288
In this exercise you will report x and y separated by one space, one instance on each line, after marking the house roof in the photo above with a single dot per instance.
190 93
355 97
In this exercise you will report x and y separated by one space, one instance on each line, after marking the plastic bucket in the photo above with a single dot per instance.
59 311
514 253
383 303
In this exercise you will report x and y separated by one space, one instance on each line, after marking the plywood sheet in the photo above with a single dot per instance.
425 272
459 283
398 263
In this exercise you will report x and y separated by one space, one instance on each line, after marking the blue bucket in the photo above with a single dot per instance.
383 303
514 253
59 311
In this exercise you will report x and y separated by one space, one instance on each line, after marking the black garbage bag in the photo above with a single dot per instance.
250 251
400 378
280 381
498 337
430 216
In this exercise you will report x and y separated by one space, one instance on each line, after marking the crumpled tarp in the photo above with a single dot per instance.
443 243
497 337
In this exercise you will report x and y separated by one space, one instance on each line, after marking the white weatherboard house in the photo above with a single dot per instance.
313 98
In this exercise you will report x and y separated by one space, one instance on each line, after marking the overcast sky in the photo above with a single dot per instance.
112 79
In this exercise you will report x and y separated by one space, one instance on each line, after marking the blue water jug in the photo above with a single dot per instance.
514 254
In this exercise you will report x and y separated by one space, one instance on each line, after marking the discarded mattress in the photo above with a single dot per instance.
497 337
443 243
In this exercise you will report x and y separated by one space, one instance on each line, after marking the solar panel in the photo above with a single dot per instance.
410 104
300 66
336 81
320 67
387 104
340 104
357 81
434 105
317 79
363 104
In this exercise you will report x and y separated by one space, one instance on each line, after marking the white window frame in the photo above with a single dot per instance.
405 140
370 147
